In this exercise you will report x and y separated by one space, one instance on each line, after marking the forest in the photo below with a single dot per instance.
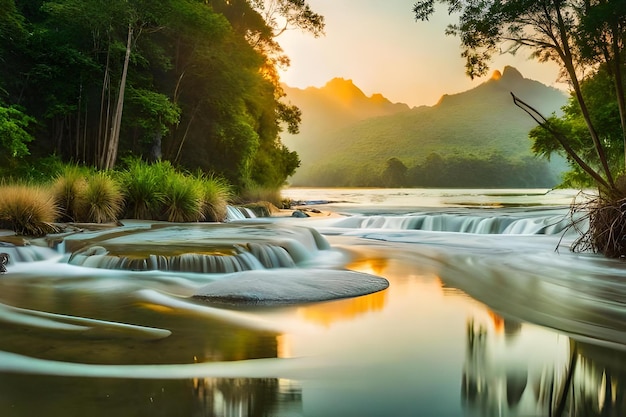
191 82
490 170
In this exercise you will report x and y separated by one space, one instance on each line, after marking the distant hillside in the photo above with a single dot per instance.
337 104
475 123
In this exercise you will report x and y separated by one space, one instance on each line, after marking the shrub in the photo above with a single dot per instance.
103 199
28 209
68 189
183 199
216 193
143 185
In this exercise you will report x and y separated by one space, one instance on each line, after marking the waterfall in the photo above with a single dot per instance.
26 253
246 257
544 222
193 247
234 213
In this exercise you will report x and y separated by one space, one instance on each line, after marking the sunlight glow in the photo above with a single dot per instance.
384 50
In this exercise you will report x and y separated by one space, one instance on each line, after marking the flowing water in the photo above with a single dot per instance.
487 313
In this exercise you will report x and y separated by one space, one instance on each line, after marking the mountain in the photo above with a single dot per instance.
337 104
346 131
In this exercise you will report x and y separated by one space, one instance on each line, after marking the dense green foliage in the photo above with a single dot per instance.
604 112
476 171
188 81
585 38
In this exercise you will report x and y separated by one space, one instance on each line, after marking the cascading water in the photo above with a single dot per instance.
210 248
26 253
487 313
555 221
235 213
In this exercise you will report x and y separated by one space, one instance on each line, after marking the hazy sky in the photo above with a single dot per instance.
379 45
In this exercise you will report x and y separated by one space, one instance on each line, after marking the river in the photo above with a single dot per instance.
487 313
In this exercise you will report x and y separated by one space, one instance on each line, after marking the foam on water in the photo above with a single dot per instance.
533 278
555 221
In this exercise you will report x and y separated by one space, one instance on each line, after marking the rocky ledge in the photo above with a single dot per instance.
288 286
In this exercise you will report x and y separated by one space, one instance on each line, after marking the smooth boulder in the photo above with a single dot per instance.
289 286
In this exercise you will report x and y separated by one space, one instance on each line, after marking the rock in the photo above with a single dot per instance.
4 260
289 286
299 213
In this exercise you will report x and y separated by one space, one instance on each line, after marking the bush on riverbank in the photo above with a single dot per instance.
139 191
28 209
103 199
68 188
159 192
183 200
216 194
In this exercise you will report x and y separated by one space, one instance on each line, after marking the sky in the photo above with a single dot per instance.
380 46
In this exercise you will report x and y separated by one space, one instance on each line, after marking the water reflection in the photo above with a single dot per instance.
49 396
422 347
247 397
104 334
595 383
504 376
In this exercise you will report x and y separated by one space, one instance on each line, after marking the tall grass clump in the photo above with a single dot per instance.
103 199
182 199
68 188
157 191
216 194
143 186
28 210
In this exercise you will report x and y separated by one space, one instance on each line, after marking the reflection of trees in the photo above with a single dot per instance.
246 397
26 395
489 387
498 381
595 383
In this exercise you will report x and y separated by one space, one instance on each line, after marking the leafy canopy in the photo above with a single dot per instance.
581 36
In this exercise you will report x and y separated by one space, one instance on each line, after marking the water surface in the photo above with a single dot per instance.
487 314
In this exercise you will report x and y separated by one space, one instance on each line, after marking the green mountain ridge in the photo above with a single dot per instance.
475 123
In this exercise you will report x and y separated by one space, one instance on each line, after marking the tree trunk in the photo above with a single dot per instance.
568 61
114 138
103 123
543 122
619 85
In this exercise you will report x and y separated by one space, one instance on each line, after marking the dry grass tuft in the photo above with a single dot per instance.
28 209
216 193
68 188
103 199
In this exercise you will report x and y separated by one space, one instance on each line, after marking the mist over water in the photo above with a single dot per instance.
487 313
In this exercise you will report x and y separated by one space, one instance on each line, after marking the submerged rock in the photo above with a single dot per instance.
289 286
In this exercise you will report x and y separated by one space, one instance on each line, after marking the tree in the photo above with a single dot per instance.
14 135
605 114
552 30
394 174
183 80
584 37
